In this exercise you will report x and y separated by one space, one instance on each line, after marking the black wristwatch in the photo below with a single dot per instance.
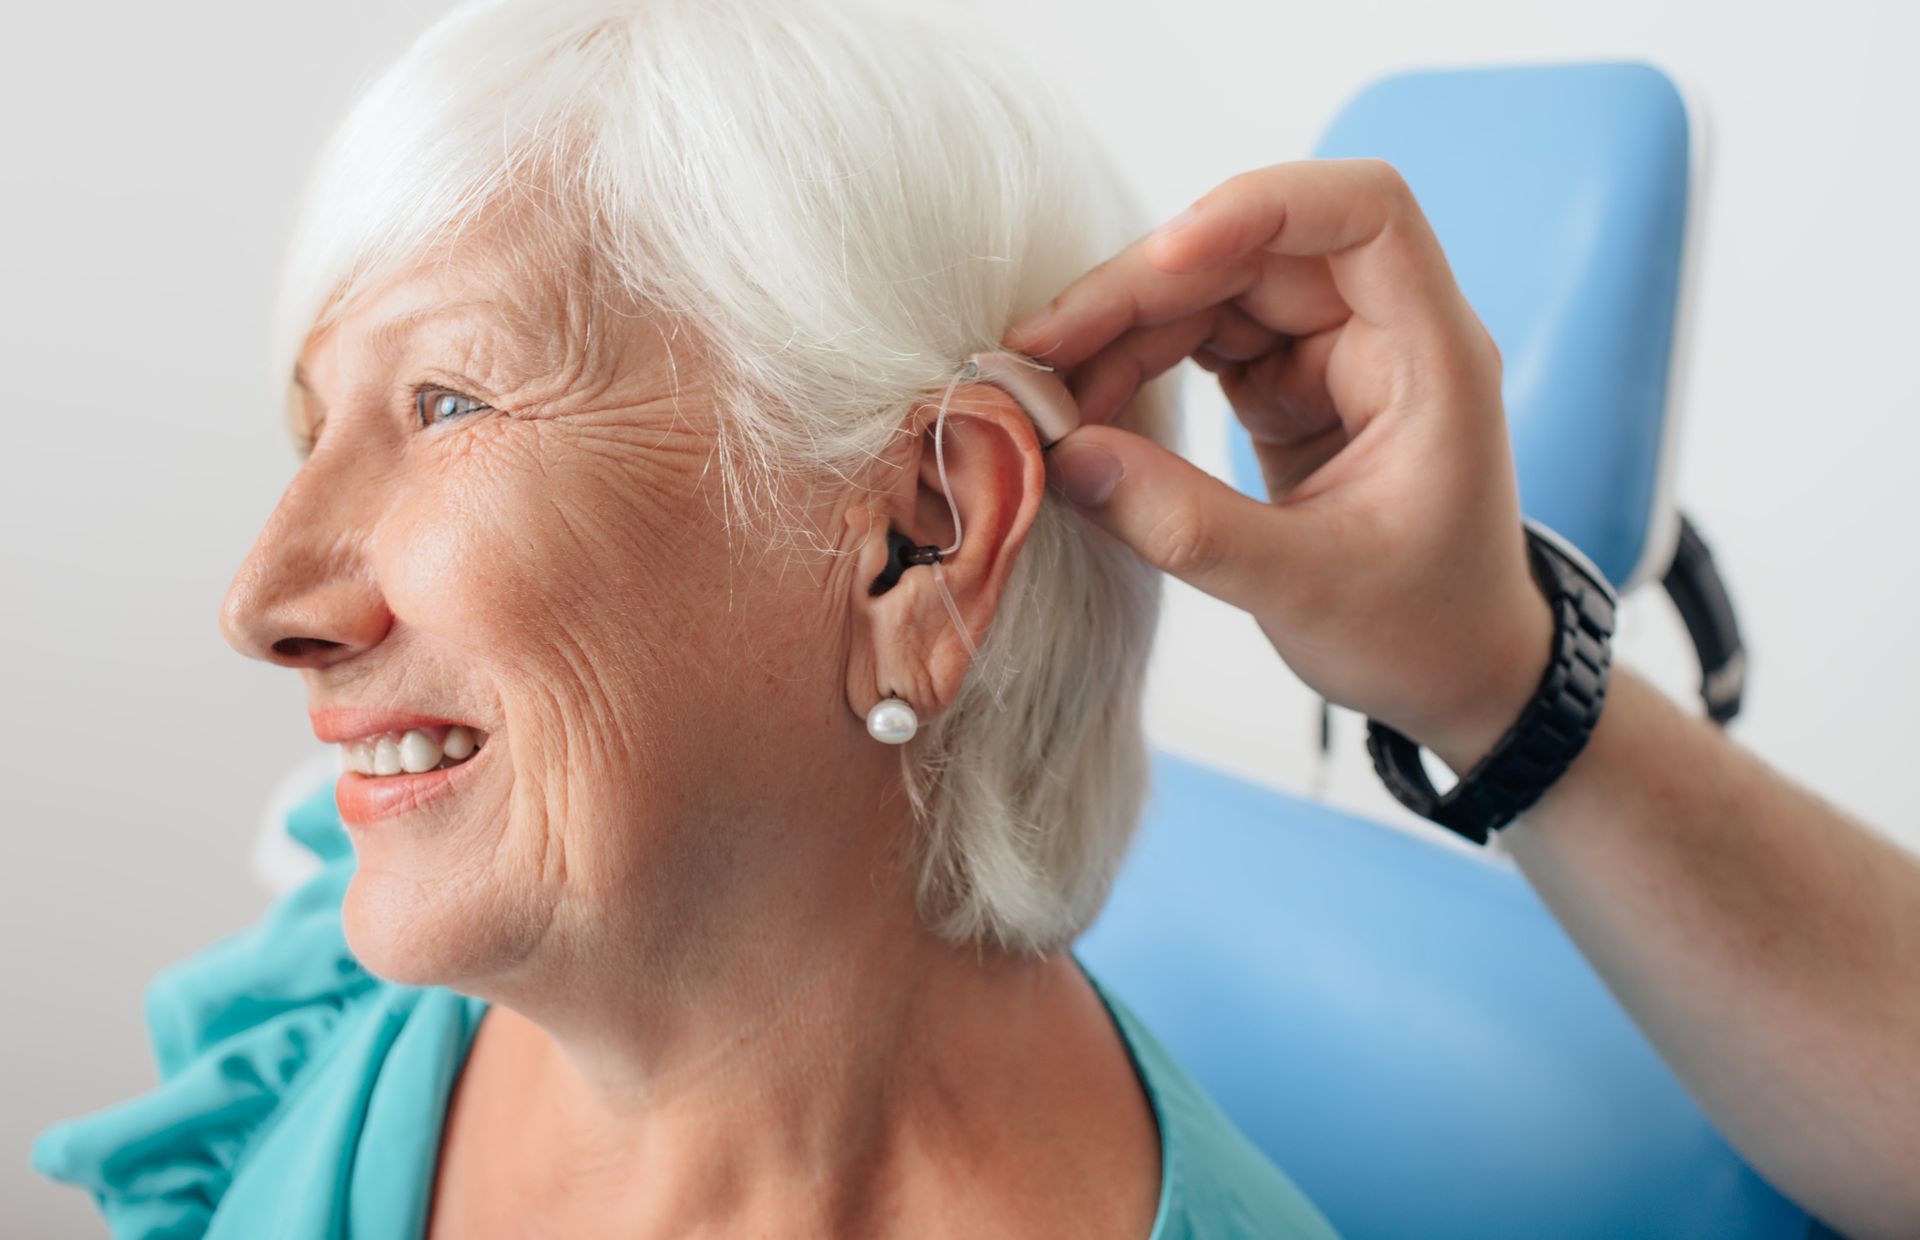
1552 729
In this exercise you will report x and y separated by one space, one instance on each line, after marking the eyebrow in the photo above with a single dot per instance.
388 337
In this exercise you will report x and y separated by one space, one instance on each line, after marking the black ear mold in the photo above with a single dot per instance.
902 553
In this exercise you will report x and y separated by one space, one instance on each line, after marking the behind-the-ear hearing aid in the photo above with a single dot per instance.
1038 388
1054 413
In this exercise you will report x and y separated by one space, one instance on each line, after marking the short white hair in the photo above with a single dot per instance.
845 199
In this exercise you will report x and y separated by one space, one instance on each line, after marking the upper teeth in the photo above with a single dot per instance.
412 751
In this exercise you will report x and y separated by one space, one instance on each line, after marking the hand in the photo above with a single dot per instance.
1390 569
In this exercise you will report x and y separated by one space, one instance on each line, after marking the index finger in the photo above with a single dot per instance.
1357 215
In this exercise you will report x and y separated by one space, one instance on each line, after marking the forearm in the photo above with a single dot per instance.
1767 944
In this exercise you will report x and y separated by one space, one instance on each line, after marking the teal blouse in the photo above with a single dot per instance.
300 1096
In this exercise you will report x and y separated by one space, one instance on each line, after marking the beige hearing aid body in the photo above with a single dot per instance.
1038 388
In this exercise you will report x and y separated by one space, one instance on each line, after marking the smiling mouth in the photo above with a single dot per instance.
414 751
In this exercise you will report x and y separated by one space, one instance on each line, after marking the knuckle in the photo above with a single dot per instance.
1184 542
1498 359
1385 179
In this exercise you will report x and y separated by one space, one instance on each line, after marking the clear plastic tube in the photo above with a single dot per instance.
953 506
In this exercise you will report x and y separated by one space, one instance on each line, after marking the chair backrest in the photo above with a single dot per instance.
1405 1030
1403 1027
1561 195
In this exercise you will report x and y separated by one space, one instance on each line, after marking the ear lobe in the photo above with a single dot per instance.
886 650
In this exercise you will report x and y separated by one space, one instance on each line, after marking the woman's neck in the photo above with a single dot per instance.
841 1084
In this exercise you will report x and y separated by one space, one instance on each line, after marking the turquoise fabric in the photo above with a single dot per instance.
300 1096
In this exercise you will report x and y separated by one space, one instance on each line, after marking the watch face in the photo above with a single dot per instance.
1574 556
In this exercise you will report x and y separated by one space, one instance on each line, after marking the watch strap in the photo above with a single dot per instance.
1551 730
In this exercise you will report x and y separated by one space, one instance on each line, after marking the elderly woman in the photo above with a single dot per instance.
703 876
627 344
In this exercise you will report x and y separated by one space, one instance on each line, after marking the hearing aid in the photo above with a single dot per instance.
1038 388
1048 403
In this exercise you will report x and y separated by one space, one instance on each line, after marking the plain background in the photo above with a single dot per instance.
152 157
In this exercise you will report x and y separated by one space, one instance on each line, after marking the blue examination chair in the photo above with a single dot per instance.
1401 1025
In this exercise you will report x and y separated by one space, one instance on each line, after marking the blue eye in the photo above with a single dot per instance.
440 405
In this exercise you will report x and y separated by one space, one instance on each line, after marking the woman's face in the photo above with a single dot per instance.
511 520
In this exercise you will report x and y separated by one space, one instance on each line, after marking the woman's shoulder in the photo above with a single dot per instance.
238 1032
1216 1184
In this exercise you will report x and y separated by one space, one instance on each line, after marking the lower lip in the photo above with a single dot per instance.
366 799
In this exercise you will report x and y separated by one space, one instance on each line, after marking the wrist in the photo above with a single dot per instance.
1516 662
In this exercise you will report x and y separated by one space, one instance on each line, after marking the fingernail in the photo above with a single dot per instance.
1088 473
1026 327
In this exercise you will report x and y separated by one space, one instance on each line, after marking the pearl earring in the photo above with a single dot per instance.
892 722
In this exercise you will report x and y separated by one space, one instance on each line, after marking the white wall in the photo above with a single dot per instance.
152 153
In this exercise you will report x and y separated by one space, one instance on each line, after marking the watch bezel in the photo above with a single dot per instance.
1577 558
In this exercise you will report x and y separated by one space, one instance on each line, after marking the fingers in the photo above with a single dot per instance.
1238 336
1123 293
1279 293
1282 398
1357 213
1105 382
1176 516
1299 245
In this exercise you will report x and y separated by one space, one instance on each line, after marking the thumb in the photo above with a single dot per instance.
1178 517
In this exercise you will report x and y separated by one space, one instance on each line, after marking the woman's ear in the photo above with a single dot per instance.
904 642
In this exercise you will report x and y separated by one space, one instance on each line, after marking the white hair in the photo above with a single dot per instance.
845 199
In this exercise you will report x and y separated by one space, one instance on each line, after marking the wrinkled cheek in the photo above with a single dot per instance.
502 577
569 612
626 662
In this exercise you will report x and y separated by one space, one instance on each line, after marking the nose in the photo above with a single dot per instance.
306 595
